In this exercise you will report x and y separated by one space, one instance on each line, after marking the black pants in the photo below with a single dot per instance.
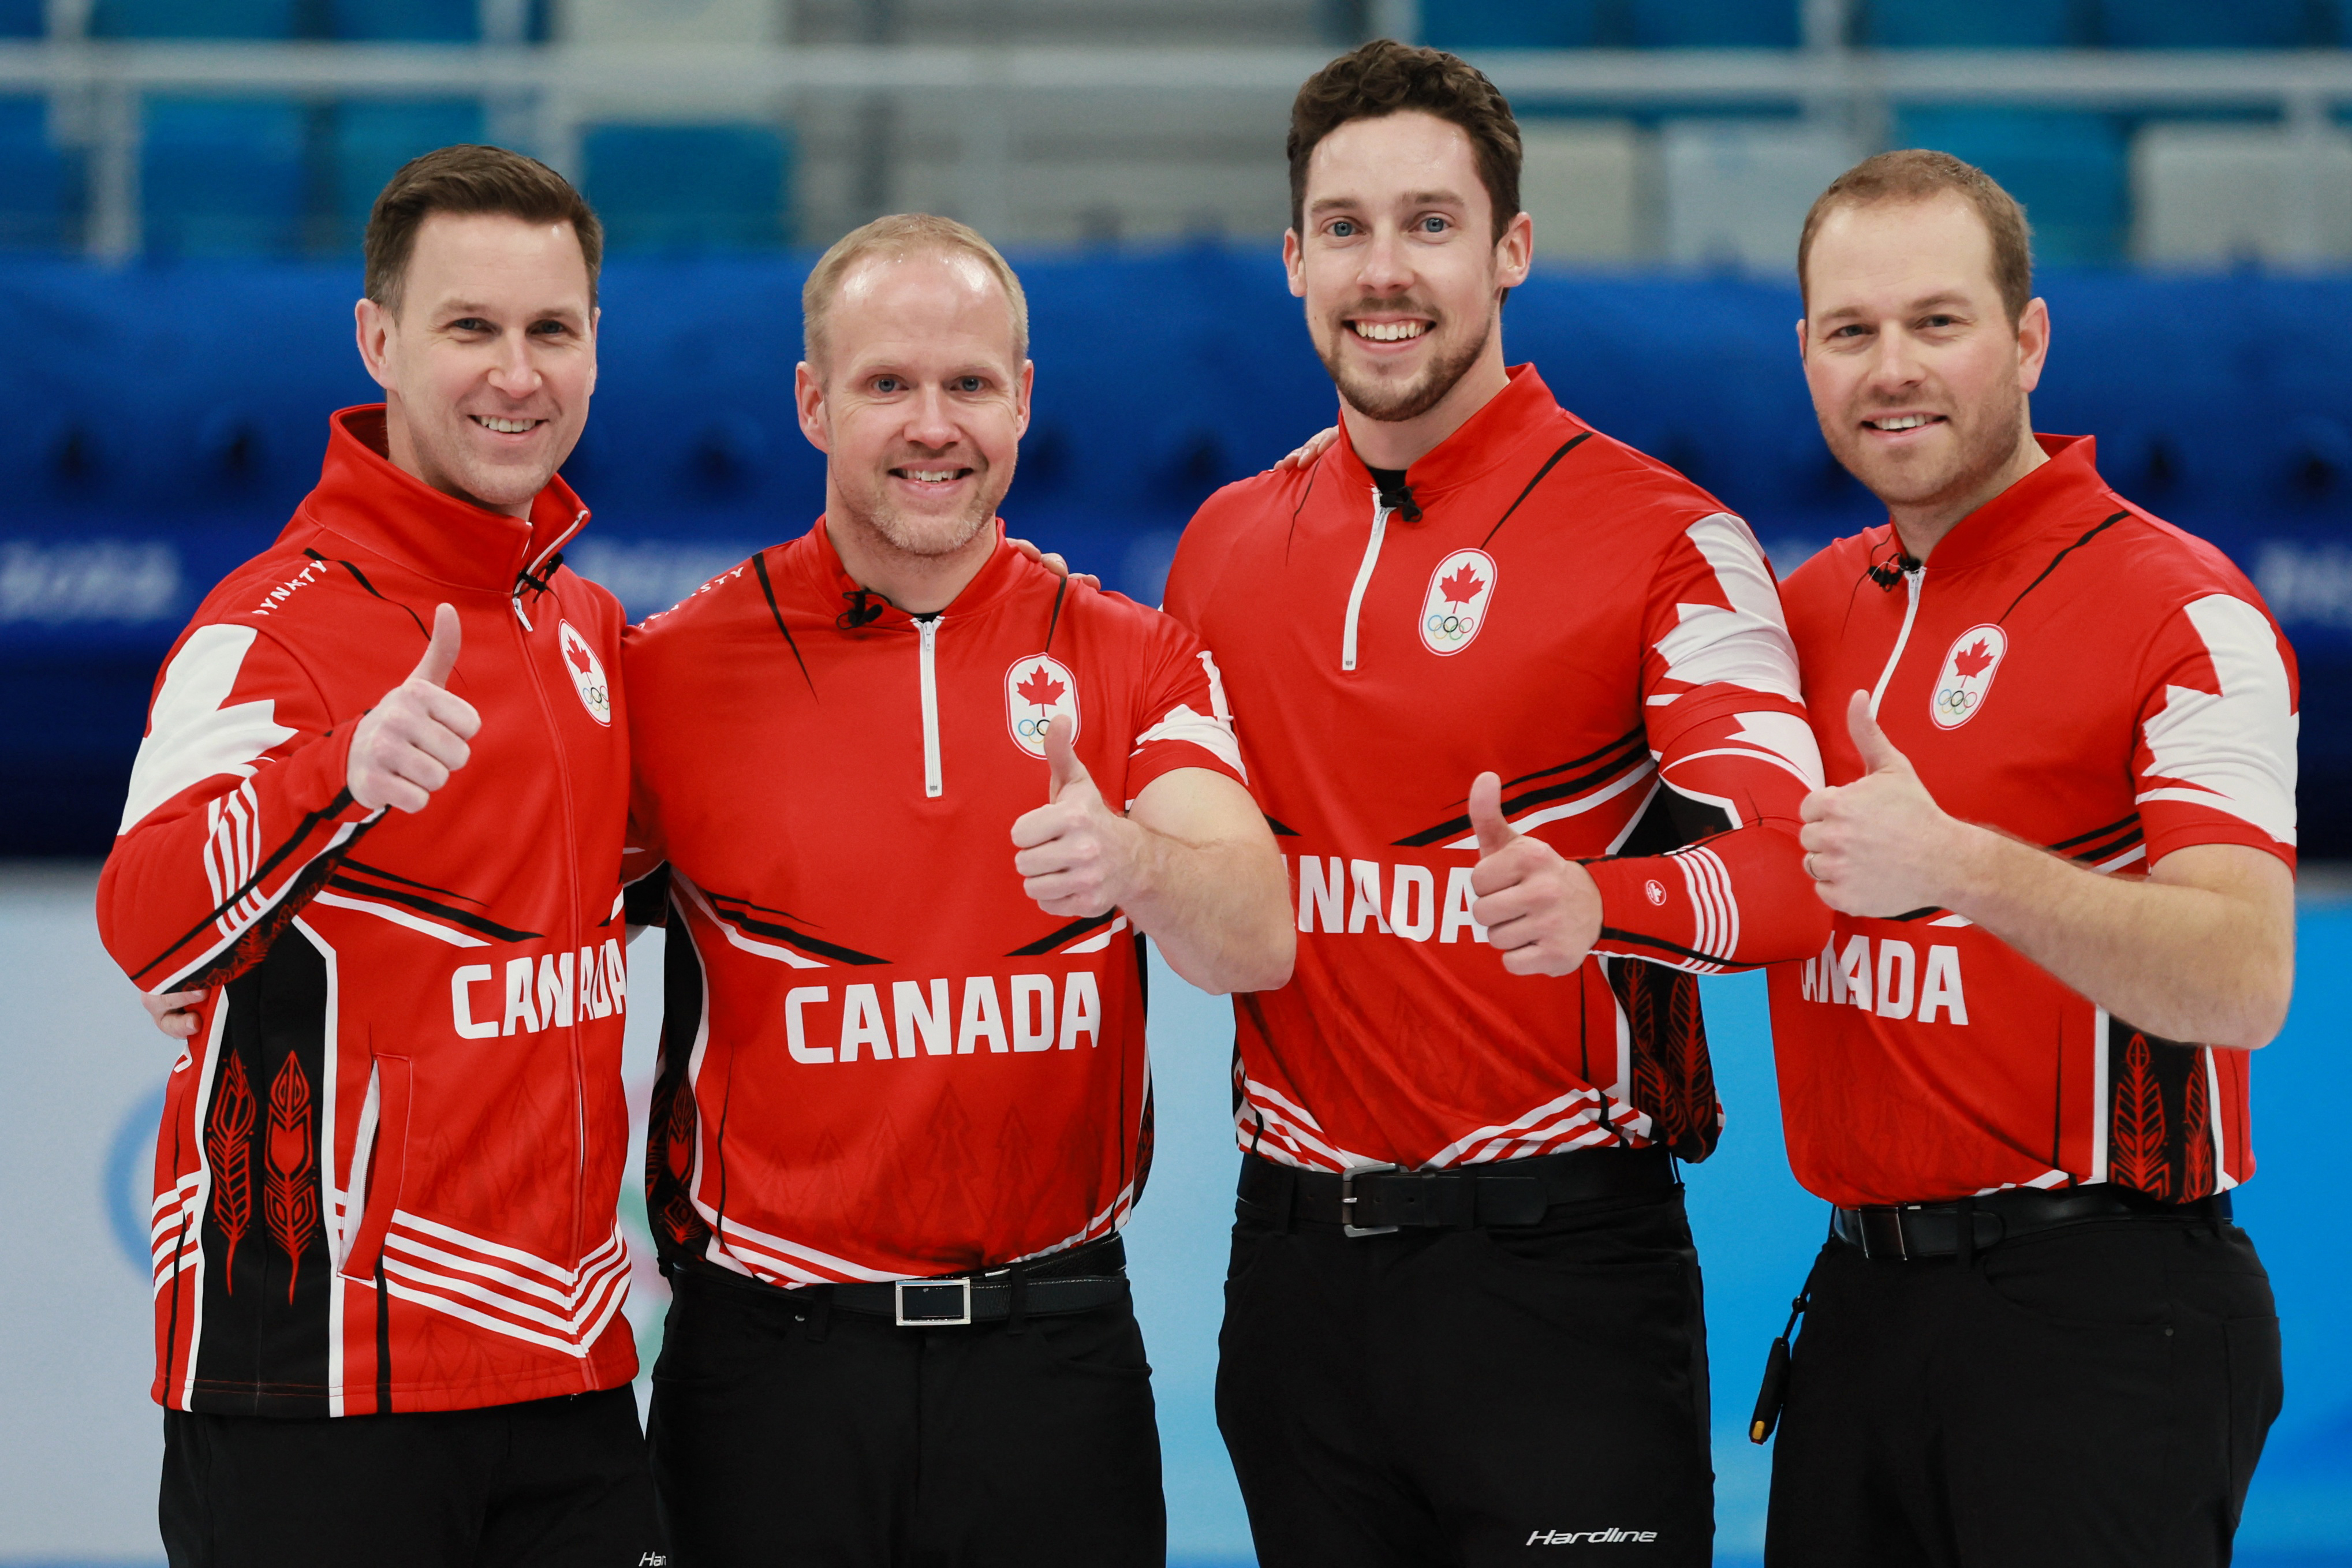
550 1484
785 1432
2088 1396
1470 1396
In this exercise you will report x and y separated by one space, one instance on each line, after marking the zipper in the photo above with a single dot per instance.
1911 580
571 892
1363 580
927 628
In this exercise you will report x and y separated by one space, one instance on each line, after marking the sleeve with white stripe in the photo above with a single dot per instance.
2215 761
1726 722
237 809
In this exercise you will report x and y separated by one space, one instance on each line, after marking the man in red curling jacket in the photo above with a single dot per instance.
903 1108
2061 844
1487 1338
373 848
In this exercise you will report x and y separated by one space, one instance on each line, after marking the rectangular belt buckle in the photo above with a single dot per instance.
934 1303
1347 1202
1884 1239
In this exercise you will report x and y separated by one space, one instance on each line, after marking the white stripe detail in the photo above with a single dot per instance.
1575 807
1363 580
736 938
399 917
1100 940
1711 892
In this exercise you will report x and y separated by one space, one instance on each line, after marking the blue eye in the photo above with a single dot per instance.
1434 226
1342 228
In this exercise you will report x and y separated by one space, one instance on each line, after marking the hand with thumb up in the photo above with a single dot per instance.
1541 911
1076 857
1880 846
409 743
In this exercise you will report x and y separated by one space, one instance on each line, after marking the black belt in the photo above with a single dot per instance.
1901 1233
1080 1281
1376 1199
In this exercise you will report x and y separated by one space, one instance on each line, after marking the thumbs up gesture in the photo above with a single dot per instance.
1541 911
409 743
1075 855
1880 846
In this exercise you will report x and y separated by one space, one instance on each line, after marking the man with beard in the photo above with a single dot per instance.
903 1107
1463 1314
2062 850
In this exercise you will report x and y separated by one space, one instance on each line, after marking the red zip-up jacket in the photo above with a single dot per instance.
390 1156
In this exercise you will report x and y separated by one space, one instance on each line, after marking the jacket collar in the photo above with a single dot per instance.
1523 412
2064 494
836 588
363 497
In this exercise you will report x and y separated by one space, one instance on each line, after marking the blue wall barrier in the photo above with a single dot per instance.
158 425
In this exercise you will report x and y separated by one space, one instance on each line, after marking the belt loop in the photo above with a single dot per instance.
1016 1308
820 1313
1964 1234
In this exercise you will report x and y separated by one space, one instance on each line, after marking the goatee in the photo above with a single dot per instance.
1393 404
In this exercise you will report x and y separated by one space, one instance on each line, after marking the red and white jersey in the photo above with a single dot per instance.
880 1058
389 1162
1583 621
2069 670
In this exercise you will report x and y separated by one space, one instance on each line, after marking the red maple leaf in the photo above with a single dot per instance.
577 653
1972 660
1041 688
1462 587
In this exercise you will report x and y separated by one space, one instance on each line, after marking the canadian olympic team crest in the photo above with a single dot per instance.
587 672
1461 591
1966 675
1036 691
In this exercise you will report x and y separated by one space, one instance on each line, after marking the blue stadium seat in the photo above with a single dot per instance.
689 189
225 177
1513 23
1978 25
2204 25
1717 23
22 18
194 18
2070 169
371 139
40 183
406 21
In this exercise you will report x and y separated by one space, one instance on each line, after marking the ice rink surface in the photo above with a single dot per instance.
81 1081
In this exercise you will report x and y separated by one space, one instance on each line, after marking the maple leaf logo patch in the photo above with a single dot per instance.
1966 678
586 670
1460 595
1037 690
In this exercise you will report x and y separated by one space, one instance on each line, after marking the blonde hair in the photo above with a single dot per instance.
901 235
1915 174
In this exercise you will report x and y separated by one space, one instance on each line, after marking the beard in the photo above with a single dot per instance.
1983 449
1393 402
926 535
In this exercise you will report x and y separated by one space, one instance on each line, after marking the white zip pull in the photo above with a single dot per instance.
517 602
1911 580
929 630
1363 580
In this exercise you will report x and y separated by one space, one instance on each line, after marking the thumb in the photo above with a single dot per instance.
1487 814
1062 757
441 653
1878 753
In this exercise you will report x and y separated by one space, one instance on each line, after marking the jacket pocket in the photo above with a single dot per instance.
379 1155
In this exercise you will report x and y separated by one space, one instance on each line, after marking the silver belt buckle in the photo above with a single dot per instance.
950 1308
1348 1202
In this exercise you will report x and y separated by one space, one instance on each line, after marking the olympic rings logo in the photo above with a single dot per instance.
1442 625
1957 701
1033 729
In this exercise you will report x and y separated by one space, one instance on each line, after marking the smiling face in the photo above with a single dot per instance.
1918 377
1399 263
919 405
488 368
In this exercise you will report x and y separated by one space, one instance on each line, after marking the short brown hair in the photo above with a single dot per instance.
1384 77
902 234
469 179
1917 174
